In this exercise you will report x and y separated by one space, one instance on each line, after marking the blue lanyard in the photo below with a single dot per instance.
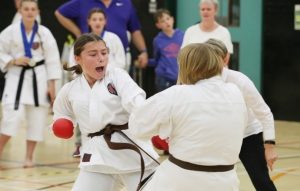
28 45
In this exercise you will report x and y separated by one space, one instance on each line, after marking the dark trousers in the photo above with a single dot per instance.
162 83
252 156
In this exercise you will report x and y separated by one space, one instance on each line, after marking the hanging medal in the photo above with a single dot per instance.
28 44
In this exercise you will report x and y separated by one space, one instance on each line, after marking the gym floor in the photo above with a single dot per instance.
56 170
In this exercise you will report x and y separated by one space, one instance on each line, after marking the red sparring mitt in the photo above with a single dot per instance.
63 128
159 143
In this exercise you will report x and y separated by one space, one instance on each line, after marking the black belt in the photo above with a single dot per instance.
196 167
34 83
108 131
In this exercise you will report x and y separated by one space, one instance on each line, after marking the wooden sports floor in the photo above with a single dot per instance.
56 170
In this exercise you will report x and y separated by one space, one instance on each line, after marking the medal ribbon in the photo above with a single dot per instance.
28 45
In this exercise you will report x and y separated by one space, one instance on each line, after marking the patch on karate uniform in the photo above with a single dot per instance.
111 88
35 45
86 157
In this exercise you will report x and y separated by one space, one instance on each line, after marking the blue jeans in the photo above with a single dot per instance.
162 83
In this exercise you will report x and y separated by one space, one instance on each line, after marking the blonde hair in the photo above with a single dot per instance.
198 61
218 46
214 2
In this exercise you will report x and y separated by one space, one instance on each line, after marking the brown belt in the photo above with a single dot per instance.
108 131
196 167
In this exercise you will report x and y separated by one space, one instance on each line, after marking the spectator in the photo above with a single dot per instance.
208 27
121 17
30 56
166 46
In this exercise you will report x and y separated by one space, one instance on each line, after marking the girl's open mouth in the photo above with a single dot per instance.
99 69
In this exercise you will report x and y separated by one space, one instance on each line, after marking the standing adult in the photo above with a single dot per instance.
208 27
121 17
30 56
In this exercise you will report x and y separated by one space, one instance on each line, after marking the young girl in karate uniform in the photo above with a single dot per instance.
99 99
97 21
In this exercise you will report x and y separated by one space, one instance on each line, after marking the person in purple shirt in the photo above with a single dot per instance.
121 17
166 46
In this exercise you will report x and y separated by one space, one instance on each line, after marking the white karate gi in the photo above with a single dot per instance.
11 47
260 117
205 124
93 109
44 48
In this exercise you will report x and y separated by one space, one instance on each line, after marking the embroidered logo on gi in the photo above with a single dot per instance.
86 157
35 45
111 88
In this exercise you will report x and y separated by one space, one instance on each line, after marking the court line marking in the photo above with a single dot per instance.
56 165
37 182
279 175
55 185
288 156
293 149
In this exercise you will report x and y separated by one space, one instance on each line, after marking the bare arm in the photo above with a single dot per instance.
51 91
68 24
270 155
139 42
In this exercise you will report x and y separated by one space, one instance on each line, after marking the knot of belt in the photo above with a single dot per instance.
108 131
34 83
